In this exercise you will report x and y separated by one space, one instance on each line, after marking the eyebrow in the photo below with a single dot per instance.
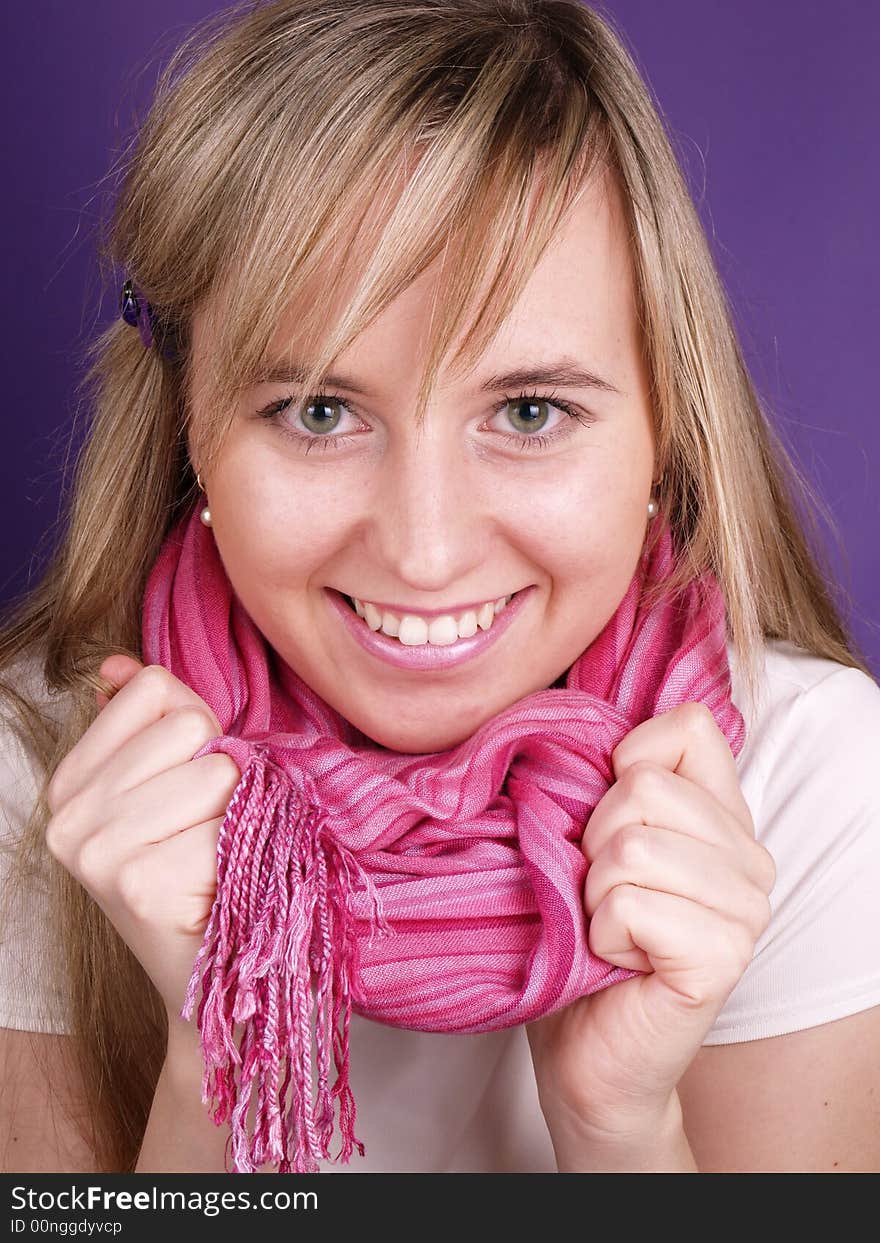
558 373
561 373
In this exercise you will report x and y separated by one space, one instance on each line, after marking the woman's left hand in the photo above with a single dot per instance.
677 887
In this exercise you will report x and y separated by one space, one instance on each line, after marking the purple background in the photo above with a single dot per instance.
772 108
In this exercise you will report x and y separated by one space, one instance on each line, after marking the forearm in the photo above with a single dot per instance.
658 1149
181 1136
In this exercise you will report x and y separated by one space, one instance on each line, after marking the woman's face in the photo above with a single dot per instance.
467 511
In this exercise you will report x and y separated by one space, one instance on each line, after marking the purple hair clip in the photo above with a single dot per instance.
137 312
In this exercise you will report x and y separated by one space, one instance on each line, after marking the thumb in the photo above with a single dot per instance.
116 669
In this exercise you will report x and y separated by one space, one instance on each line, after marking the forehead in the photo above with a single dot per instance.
581 294
579 297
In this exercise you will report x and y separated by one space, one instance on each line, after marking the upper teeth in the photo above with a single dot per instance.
412 630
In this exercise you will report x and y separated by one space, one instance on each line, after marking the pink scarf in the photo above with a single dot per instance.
439 892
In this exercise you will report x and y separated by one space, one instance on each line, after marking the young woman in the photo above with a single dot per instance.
435 404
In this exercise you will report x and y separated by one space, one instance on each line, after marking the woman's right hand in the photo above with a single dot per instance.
136 819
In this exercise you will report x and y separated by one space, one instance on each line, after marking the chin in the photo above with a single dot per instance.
424 744
416 729
417 741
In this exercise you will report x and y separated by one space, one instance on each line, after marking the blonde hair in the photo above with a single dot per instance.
275 129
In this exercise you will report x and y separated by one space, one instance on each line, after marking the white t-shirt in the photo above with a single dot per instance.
468 1103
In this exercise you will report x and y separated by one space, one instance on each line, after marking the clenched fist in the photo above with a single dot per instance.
678 888
136 819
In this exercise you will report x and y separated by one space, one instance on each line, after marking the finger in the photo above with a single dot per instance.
670 862
169 804
698 953
686 740
651 795
168 743
117 669
144 879
145 698
648 793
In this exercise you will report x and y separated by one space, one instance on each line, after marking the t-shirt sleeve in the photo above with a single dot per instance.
819 958
28 999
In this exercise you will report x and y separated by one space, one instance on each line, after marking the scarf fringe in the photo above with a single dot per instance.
280 940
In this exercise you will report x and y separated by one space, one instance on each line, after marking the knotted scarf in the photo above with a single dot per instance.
438 892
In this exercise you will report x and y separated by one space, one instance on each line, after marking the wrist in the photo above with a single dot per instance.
654 1142
183 1050
181 1135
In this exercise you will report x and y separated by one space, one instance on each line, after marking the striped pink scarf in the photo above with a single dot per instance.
439 892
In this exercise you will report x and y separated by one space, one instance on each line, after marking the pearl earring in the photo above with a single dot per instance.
205 515
652 508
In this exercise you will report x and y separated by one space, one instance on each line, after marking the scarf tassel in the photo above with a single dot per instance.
280 942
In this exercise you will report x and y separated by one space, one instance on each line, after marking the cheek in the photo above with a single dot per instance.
589 522
279 537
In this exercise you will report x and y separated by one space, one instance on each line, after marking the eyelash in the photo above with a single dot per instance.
276 408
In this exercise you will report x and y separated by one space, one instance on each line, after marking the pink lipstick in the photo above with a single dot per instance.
426 655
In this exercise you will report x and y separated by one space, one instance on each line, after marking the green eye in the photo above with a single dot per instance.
321 415
529 414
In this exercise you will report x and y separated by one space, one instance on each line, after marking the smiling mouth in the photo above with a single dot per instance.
412 630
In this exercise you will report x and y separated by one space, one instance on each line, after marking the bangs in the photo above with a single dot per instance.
475 178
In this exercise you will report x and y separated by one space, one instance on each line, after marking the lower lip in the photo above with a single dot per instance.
426 655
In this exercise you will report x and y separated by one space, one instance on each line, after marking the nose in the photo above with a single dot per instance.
429 526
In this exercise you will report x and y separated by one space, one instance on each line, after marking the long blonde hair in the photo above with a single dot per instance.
274 130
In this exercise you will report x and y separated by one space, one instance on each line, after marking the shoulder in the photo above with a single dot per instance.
27 675
806 700
816 726
807 771
28 1001
20 771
